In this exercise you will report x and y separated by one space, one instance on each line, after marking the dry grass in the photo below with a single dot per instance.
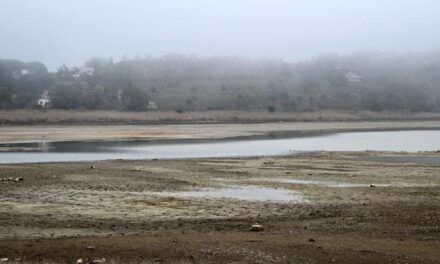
54 117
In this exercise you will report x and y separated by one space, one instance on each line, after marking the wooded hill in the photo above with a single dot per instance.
360 81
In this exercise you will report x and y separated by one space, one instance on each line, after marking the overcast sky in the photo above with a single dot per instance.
71 31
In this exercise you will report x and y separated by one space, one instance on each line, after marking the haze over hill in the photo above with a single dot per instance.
70 32
360 81
239 55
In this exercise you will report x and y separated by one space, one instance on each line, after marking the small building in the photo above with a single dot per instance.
87 70
77 72
16 75
152 105
120 95
352 77
44 101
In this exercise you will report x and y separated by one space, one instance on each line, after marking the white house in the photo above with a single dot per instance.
19 73
87 70
120 95
44 101
352 77
83 71
152 105
16 75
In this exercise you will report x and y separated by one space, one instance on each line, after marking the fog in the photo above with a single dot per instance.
70 32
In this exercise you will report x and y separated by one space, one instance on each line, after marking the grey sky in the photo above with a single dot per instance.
71 31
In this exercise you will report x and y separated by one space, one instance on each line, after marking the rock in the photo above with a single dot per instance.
96 261
311 240
254 240
80 261
18 179
257 228
92 167
372 185
91 248
4 259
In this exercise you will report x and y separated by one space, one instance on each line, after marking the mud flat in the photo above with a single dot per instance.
90 117
17 134
328 207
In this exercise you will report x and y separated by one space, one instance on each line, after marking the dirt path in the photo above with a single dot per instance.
140 210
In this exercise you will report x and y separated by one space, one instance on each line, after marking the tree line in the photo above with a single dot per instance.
360 81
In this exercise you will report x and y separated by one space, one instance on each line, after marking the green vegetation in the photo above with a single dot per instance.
21 84
356 82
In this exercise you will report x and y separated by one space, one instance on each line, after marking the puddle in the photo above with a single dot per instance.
335 184
246 193
332 184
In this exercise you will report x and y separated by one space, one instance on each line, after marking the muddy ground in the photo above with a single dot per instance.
23 117
19 134
335 208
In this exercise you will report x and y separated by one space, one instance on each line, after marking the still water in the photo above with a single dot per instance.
410 141
241 192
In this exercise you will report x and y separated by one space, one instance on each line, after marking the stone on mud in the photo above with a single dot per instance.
257 228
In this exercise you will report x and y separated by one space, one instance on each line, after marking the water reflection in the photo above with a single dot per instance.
410 141
246 193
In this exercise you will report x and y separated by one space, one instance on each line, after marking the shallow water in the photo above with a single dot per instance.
333 184
409 141
246 193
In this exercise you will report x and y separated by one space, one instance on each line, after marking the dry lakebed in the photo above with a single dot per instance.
309 207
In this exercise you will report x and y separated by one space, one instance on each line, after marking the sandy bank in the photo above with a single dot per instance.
191 131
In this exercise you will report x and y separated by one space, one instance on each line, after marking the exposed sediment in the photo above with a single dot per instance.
135 210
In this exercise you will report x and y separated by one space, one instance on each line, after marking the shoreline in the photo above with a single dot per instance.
53 117
164 133
365 207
